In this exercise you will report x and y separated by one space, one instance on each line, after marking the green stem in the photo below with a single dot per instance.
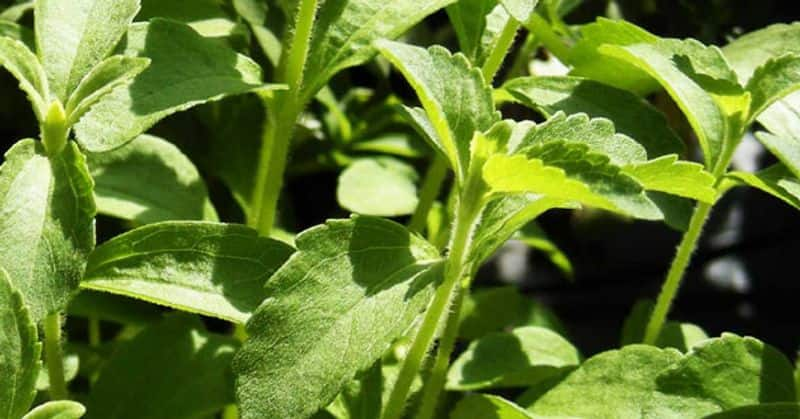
54 358
431 187
94 332
676 271
295 62
545 34
435 384
500 50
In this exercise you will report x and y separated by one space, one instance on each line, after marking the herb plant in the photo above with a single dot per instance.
363 317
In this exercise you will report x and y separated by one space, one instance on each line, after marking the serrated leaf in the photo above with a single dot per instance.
774 80
786 149
100 81
383 187
345 30
570 172
149 180
218 270
173 369
61 409
631 115
24 66
676 177
73 36
772 180
456 99
19 352
748 52
519 358
484 406
185 70
521 10
494 309
47 223
731 371
764 411
369 278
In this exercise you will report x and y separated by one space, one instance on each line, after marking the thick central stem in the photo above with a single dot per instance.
54 358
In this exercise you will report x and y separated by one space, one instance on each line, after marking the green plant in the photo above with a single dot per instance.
360 317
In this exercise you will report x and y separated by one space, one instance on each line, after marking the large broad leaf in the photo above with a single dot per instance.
149 180
61 409
631 115
787 149
775 180
457 100
218 270
767 410
19 353
677 177
368 279
24 66
519 358
482 406
383 187
494 309
46 222
345 30
174 369
73 36
750 51
185 70
773 81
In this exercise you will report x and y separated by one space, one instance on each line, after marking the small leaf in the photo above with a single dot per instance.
149 180
536 238
785 148
185 70
457 100
767 410
218 270
46 222
72 37
773 81
13 30
173 369
369 278
494 309
631 115
71 365
383 187
750 51
484 406
676 177
772 180
24 66
61 409
519 358
19 352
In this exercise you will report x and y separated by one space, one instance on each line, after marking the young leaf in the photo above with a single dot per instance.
786 149
457 100
46 222
369 278
173 369
775 180
767 410
773 81
519 358
383 187
483 406
731 371
19 352
218 270
185 70
676 177
478 25
149 180
631 115
494 309
13 30
24 66
345 30
61 409
73 36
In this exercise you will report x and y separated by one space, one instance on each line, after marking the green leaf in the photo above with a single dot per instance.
775 180
731 371
345 30
494 309
362 398
536 238
19 352
620 384
47 223
185 70
478 25
113 308
207 17
381 186
61 409
787 149
17 11
571 172
521 10
483 406
369 278
681 336
100 81
631 115
72 37
149 180
457 100
24 66
519 358
752 50
218 270
765 411
174 369
776 79
71 364
676 177
13 30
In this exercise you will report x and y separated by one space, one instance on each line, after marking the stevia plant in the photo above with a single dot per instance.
360 317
